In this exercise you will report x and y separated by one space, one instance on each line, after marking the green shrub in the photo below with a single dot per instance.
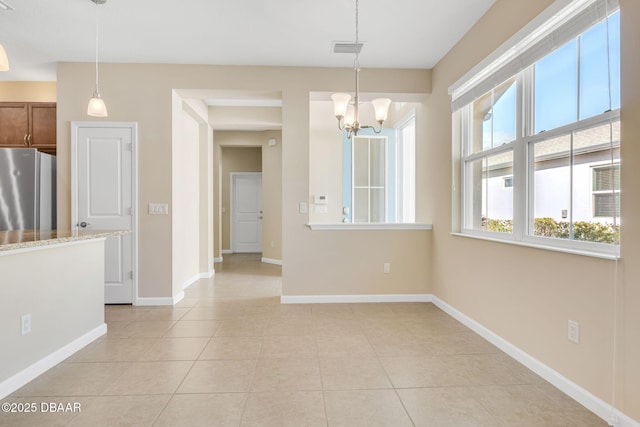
548 227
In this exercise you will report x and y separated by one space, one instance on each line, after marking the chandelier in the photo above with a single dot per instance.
348 113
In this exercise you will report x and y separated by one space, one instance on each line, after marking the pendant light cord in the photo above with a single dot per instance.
97 33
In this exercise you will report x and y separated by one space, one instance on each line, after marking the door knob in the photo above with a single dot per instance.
83 224
260 217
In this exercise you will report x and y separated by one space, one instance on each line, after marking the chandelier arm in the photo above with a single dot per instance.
373 128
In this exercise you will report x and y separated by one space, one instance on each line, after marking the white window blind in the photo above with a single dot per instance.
520 51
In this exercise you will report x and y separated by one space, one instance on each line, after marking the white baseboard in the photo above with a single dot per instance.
207 274
321 299
219 259
226 251
191 281
160 301
573 390
16 381
272 261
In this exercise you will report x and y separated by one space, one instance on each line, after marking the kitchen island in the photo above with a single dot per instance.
51 299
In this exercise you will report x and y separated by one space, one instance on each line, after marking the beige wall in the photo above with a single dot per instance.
28 92
272 196
143 93
629 294
64 295
526 295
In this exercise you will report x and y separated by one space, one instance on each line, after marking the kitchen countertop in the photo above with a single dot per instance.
23 239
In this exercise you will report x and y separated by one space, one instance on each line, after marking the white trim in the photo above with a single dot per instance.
133 126
321 299
529 244
16 381
370 226
226 251
272 261
218 259
160 300
557 24
573 390
192 280
207 274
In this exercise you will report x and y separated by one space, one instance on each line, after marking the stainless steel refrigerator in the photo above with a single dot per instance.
27 190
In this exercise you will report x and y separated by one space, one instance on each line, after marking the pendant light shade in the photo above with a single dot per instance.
97 107
381 107
340 102
4 61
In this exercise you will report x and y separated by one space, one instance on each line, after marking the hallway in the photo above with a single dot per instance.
230 354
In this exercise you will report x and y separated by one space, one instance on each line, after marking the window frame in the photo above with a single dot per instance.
400 170
369 187
608 117
523 165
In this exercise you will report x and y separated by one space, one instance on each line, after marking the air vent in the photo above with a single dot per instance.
347 47
6 6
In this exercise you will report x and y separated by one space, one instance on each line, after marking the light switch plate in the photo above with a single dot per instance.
158 209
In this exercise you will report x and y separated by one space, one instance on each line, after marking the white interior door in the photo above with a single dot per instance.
246 212
104 198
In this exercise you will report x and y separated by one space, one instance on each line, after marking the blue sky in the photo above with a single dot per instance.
575 68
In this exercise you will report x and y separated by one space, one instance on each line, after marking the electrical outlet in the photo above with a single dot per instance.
573 331
386 267
25 324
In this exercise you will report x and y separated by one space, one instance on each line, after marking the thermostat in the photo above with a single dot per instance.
320 200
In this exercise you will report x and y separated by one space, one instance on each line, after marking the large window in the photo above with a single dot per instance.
540 151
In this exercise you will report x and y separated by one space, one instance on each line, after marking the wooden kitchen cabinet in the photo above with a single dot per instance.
28 125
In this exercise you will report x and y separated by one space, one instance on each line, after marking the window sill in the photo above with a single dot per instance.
573 251
341 226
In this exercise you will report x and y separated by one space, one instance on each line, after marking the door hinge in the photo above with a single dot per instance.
130 210
129 146
131 275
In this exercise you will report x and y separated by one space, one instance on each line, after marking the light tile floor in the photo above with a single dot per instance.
230 354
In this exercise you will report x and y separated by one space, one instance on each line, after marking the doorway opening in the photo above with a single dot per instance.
241 199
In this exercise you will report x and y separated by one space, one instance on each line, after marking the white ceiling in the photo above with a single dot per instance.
397 34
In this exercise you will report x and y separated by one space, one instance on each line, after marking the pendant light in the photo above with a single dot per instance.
348 114
97 107
4 61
